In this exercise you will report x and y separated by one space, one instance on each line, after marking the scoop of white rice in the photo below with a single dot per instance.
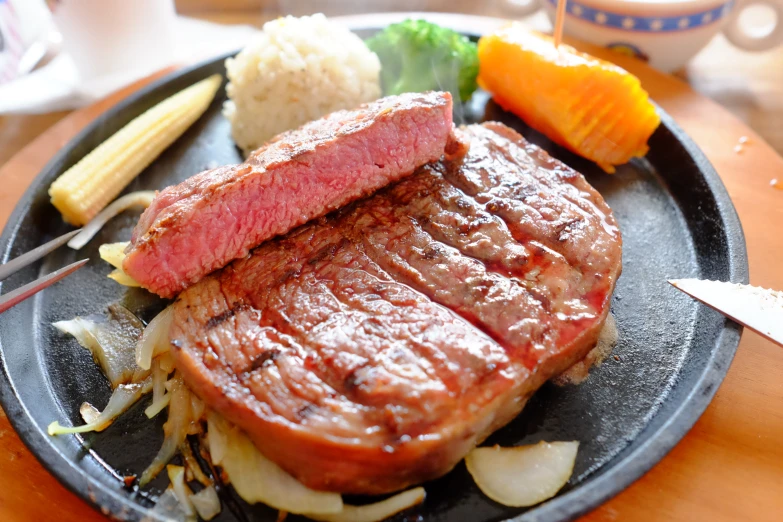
294 71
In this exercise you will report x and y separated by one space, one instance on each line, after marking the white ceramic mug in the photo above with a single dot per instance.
667 33
108 38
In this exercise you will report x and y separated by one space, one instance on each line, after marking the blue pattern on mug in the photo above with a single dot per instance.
655 24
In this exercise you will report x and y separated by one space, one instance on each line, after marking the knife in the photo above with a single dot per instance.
759 309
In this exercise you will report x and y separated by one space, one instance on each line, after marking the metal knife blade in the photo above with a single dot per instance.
759 309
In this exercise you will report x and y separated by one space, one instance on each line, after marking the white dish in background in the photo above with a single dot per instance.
57 86
108 37
666 33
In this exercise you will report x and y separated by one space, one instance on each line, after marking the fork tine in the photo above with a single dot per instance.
33 255
20 294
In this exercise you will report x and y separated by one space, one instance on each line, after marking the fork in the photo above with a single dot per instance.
20 294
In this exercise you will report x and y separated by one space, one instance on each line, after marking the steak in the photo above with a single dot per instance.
217 216
373 348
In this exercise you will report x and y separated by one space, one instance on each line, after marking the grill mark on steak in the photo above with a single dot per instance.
377 300
556 202
326 252
564 229
277 315
487 299
216 320
456 219
378 284
374 325
386 375
262 360
306 411
351 381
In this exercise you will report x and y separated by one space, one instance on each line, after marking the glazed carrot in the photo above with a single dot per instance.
587 105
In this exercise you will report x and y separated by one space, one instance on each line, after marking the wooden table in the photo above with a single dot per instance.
730 466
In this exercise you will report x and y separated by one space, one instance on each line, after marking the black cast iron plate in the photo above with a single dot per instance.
677 221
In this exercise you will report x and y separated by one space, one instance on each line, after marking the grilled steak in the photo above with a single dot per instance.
217 216
373 348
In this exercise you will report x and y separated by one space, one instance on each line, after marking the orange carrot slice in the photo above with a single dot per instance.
592 107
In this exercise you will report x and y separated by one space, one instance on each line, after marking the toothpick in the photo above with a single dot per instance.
559 21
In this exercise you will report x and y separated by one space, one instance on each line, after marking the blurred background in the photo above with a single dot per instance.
234 11
750 84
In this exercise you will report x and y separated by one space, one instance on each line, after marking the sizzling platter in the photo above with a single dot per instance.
676 220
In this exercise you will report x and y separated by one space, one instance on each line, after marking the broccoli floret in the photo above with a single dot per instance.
418 56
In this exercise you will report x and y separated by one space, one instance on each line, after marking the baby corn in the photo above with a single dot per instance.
84 189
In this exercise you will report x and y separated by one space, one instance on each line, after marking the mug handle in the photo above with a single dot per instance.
744 39
521 7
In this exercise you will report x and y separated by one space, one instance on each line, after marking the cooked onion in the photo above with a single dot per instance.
166 362
174 430
257 479
206 503
114 253
197 407
89 412
112 341
181 490
160 399
377 511
217 437
155 339
123 397
119 276
192 464
157 406
169 508
158 380
524 475
134 199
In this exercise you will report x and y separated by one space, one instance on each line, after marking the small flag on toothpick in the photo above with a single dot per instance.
559 21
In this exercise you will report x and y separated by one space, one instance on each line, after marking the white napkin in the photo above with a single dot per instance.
57 86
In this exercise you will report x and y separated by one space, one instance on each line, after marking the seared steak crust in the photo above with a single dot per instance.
373 348
217 216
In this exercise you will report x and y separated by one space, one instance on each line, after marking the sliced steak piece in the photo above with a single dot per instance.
373 348
217 216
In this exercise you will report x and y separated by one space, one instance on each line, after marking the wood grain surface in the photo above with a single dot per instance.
729 467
